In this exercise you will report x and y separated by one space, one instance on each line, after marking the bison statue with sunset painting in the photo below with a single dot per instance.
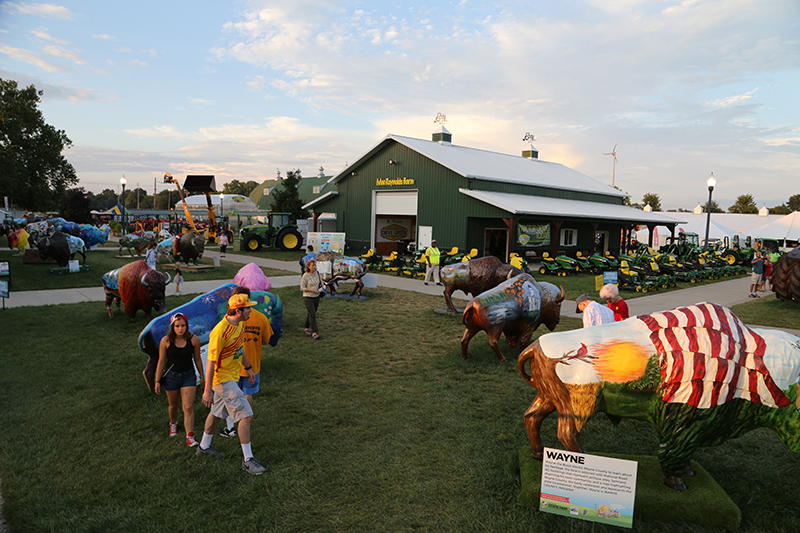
697 373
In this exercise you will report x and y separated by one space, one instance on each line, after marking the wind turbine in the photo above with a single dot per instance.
614 168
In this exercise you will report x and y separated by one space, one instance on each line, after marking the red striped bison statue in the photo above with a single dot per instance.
697 373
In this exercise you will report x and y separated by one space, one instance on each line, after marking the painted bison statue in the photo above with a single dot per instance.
205 312
342 268
515 308
252 277
475 277
190 246
137 286
61 247
92 235
19 239
697 373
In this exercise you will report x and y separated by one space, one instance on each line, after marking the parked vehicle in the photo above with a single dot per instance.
279 232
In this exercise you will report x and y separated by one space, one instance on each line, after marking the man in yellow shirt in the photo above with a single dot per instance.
432 255
222 393
257 332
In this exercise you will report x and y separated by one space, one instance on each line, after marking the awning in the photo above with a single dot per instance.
520 204
320 199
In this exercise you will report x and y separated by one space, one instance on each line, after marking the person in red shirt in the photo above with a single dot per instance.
610 294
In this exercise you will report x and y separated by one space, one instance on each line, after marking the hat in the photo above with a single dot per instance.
433 241
581 298
238 301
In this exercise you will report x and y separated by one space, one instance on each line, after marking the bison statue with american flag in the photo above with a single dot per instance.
697 373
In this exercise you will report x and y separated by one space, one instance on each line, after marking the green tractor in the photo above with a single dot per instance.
279 232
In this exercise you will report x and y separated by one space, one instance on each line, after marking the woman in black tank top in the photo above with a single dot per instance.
178 356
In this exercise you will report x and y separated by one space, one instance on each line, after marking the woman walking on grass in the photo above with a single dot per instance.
176 374
310 285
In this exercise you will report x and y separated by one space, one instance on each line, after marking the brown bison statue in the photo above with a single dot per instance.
137 286
474 277
190 246
515 308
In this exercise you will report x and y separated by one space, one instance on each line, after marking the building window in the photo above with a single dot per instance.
316 189
569 237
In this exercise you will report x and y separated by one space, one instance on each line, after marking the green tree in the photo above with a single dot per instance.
285 197
779 210
33 171
103 201
653 199
744 204
237 187
794 203
138 196
715 208
74 206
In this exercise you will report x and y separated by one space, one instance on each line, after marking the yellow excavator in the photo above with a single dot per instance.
198 184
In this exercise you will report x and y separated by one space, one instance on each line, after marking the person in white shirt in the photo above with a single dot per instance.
594 314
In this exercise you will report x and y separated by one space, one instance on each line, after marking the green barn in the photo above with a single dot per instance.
407 191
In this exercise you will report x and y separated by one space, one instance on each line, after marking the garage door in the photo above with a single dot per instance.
396 203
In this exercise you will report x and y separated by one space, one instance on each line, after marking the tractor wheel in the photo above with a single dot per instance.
786 277
289 239
543 271
253 244
730 258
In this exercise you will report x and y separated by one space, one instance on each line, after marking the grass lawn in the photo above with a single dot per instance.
379 426
38 277
769 311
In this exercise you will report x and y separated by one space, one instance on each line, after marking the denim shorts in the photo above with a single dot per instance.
244 384
179 380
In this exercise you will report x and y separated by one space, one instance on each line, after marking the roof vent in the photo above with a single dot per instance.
533 153
698 210
442 136
321 172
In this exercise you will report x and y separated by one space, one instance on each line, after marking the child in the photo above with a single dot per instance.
178 280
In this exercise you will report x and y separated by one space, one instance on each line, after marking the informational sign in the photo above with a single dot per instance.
74 266
611 277
326 242
533 235
589 487
393 229
4 268
4 288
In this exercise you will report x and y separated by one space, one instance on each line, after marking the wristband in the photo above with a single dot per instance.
248 367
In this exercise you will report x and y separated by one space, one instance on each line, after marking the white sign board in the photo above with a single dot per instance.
326 242
4 268
74 266
589 487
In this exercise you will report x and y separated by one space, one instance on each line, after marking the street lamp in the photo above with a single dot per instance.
711 182
221 206
124 182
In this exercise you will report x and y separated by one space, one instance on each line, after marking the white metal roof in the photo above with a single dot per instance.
520 204
320 199
495 166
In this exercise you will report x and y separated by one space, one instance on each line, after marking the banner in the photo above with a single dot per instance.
529 235
326 242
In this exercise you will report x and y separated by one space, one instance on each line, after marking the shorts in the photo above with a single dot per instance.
244 384
755 278
179 380
229 400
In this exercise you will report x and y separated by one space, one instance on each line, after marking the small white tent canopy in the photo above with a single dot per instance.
233 202
787 227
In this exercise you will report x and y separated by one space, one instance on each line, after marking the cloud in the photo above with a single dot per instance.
39 34
41 10
104 37
26 56
57 51
734 100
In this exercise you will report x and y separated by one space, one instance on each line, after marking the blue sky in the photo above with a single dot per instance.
240 89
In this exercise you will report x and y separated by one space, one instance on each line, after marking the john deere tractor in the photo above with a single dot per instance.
279 232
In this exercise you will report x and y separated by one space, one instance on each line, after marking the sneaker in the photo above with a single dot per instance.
426 283
315 336
439 284
207 451
253 466
756 296
190 442
308 331
225 432
173 430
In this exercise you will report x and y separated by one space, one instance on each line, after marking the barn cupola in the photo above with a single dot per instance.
442 136
533 153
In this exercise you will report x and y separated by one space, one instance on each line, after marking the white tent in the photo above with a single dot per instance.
787 227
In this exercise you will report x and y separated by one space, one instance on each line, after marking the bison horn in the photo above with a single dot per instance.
168 279
143 279
560 298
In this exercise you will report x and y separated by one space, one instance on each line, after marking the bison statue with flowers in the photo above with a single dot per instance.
697 373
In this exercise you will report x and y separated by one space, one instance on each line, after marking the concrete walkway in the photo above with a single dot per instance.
726 293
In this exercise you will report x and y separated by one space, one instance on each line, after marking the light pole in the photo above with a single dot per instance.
711 182
124 182
221 207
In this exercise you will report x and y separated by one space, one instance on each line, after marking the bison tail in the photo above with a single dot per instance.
524 357
467 317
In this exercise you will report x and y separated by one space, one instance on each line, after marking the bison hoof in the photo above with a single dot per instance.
538 454
675 482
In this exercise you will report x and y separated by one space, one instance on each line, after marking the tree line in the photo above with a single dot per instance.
745 204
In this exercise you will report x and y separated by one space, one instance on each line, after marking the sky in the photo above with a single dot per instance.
240 89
